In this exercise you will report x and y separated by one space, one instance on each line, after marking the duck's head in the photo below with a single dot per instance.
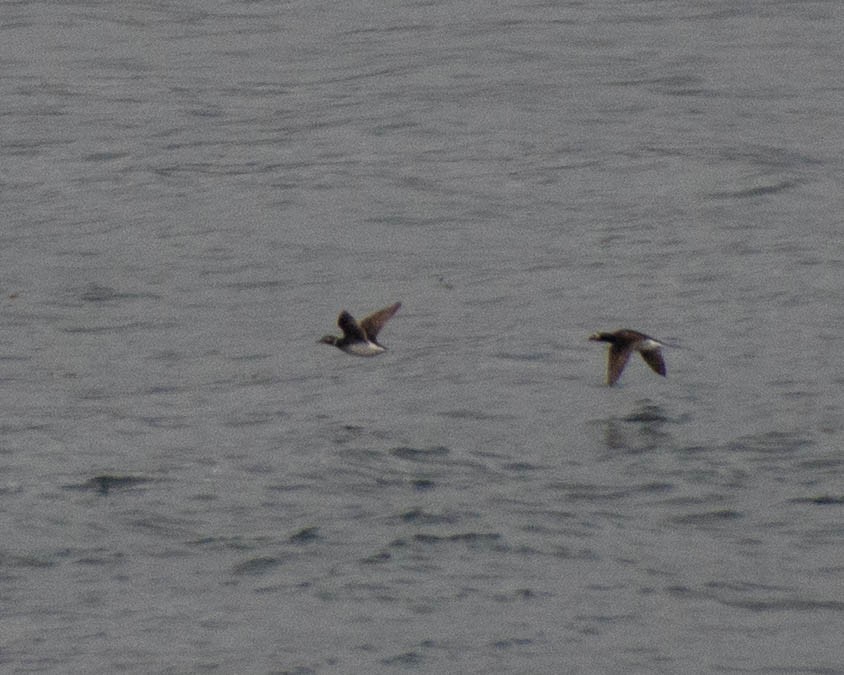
601 337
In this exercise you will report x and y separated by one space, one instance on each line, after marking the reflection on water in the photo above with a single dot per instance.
642 430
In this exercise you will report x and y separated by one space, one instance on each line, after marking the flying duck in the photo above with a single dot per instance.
622 344
359 336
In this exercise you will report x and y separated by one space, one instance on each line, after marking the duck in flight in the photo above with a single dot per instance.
359 336
622 344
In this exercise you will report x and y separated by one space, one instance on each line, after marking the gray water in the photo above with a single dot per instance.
191 192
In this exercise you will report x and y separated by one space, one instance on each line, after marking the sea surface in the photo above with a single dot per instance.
190 192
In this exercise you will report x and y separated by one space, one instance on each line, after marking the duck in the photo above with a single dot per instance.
622 344
359 337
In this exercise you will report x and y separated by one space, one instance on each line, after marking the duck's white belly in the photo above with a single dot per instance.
364 349
649 345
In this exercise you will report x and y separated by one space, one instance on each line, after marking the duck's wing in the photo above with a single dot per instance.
350 327
375 321
616 360
653 357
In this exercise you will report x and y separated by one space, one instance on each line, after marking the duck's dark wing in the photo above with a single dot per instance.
351 329
375 321
653 357
616 360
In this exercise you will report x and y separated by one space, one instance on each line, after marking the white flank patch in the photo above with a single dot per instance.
364 349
